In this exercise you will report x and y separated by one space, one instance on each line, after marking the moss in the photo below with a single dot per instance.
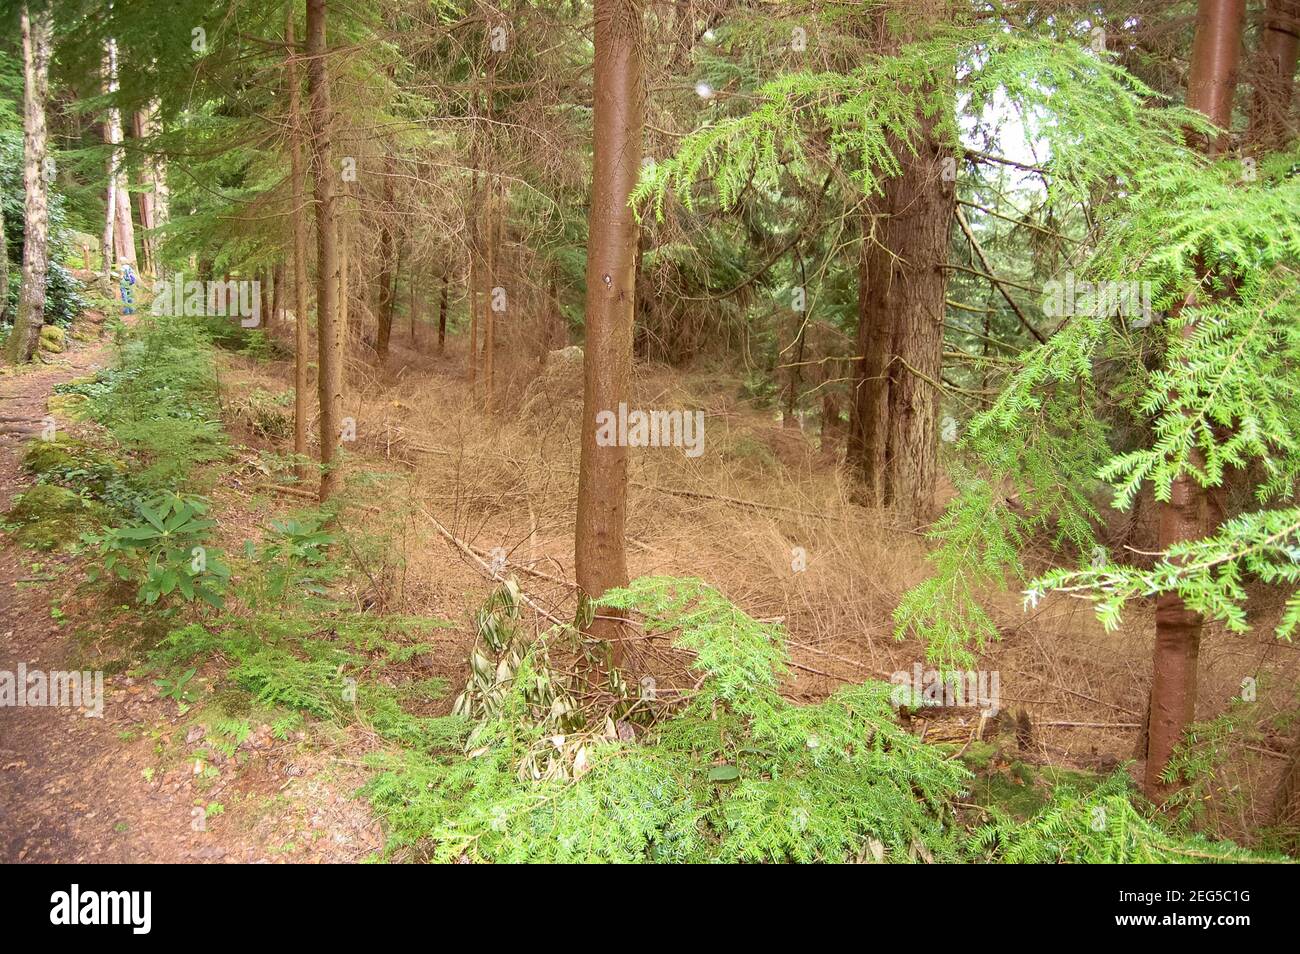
53 339
47 517
75 463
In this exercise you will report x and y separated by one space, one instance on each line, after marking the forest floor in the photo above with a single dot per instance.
441 497
81 789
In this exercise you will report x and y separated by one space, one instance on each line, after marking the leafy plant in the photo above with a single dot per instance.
166 552
175 688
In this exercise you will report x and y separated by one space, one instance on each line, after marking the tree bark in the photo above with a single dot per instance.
301 408
442 316
1274 73
30 316
154 196
618 126
490 297
1216 52
118 230
140 128
387 266
414 299
4 269
329 326
901 283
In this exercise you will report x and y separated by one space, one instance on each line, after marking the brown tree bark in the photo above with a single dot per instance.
1216 53
328 323
1285 812
442 316
474 271
618 117
387 266
142 129
36 29
490 296
1274 74
413 301
301 408
119 232
901 282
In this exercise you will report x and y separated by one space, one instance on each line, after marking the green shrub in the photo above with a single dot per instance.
735 774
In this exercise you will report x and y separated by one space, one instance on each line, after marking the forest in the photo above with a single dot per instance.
669 431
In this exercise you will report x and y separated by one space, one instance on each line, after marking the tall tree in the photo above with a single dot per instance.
1274 75
36 29
902 276
301 408
618 121
388 250
1216 53
442 315
154 195
119 232
329 328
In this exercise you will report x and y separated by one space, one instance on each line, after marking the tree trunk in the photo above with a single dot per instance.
329 326
1216 52
599 545
268 298
36 229
301 408
118 230
140 129
414 300
387 266
345 293
442 316
901 282
153 196
4 268
1286 800
1275 62
490 297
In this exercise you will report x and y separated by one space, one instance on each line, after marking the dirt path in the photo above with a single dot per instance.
120 788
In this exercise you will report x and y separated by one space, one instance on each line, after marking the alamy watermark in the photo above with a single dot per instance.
36 687
176 296
130 908
636 428
1072 297
930 688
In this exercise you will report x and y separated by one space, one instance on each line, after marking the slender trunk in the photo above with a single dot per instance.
1275 62
795 380
599 545
36 227
414 300
1216 52
278 296
153 191
144 199
473 283
301 407
387 266
490 298
442 316
329 325
268 298
118 230
4 268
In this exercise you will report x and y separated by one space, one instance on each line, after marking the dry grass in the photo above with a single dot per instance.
508 480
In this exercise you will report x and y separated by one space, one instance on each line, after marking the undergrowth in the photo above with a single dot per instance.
731 771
